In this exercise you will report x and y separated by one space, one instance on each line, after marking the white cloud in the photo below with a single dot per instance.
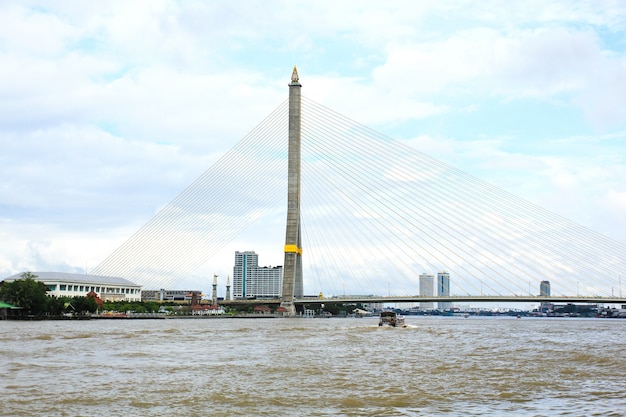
84 173
552 64
614 202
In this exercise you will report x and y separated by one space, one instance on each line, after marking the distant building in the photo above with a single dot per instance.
427 288
544 291
206 310
546 307
252 281
443 288
171 295
65 284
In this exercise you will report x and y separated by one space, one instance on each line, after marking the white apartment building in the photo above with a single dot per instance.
252 281
427 289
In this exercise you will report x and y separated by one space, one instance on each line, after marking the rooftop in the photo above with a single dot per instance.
76 278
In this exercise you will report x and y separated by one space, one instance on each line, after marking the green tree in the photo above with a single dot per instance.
83 305
28 275
56 306
136 306
26 293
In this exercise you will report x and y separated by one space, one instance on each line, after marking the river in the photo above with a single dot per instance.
436 366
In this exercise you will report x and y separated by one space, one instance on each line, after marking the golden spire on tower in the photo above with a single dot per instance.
294 75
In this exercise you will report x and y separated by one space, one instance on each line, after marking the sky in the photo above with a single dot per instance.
108 110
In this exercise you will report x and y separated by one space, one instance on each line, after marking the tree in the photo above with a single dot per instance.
83 305
56 306
26 293
28 275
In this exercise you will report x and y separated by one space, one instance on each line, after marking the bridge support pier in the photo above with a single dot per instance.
290 308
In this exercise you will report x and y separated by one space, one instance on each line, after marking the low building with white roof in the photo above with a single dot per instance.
65 284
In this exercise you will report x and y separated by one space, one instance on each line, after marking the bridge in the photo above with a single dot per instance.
367 214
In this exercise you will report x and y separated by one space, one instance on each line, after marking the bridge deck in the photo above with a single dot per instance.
452 298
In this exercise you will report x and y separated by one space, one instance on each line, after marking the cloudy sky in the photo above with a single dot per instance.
109 109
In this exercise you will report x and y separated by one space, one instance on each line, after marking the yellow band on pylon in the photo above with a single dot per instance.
293 249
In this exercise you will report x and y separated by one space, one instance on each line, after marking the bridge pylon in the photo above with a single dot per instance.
292 271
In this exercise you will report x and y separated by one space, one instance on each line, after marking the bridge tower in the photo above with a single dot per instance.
292 271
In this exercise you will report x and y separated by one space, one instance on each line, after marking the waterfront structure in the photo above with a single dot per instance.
292 283
171 295
252 281
227 288
9 311
443 289
65 284
427 288
206 310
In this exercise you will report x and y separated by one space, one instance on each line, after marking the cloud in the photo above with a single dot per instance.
580 177
84 177
613 202
553 64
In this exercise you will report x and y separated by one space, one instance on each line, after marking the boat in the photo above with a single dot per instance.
361 313
391 318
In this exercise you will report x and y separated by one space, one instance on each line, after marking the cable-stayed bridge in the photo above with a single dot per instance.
375 214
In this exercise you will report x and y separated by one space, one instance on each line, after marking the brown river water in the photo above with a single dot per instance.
436 366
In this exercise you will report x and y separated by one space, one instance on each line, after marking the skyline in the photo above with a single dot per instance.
105 114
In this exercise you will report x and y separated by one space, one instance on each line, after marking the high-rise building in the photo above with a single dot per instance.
443 288
427 289
252 281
